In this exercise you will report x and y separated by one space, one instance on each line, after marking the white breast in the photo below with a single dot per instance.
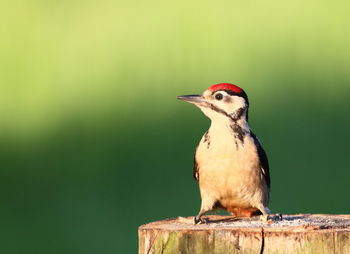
229 169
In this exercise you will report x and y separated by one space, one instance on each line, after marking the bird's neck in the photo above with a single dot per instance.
222 126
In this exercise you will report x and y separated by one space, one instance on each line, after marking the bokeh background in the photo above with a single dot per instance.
93 142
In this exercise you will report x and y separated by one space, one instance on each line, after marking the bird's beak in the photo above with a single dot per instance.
195 99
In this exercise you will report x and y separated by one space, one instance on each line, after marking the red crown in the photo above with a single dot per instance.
225 86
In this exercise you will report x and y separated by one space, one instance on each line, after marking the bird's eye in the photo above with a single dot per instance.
219 96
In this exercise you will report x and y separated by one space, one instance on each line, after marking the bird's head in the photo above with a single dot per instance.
221 100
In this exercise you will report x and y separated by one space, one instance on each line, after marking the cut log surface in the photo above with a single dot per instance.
300 233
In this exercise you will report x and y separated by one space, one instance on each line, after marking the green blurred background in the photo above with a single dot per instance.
93 142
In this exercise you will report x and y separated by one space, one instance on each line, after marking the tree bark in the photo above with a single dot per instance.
301 233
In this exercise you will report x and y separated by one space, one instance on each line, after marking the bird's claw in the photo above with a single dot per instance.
265 217
270 219
199 220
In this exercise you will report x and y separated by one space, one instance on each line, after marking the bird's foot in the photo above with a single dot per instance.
279 216
271 218
265 218
199 220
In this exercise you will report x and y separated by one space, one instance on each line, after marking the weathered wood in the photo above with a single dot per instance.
301 233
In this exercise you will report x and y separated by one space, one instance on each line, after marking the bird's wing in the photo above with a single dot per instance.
264 163
195 168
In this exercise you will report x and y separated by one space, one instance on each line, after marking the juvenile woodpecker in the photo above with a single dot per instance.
230 163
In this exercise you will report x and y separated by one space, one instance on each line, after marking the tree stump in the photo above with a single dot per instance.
301 233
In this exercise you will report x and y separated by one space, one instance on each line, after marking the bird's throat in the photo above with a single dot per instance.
228 132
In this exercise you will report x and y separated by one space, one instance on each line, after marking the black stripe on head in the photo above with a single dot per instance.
215 108
239 113
234 117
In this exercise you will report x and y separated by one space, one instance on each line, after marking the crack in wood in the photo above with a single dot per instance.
165 245
152 242
236 244
262 241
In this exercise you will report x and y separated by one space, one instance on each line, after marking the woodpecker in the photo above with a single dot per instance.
230 163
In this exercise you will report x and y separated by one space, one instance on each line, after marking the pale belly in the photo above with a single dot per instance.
230 174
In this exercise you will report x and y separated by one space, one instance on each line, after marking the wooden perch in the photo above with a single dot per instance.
301 233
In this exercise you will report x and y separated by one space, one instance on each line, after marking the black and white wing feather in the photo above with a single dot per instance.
264 163
195 168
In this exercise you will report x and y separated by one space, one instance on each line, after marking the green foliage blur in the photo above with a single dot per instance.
93 142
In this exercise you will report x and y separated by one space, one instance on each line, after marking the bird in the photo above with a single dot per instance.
230 163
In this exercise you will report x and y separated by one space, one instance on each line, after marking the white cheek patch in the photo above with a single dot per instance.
238 102
233 105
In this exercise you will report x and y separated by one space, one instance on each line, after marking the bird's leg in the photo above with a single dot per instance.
207 205
198 219
265 213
